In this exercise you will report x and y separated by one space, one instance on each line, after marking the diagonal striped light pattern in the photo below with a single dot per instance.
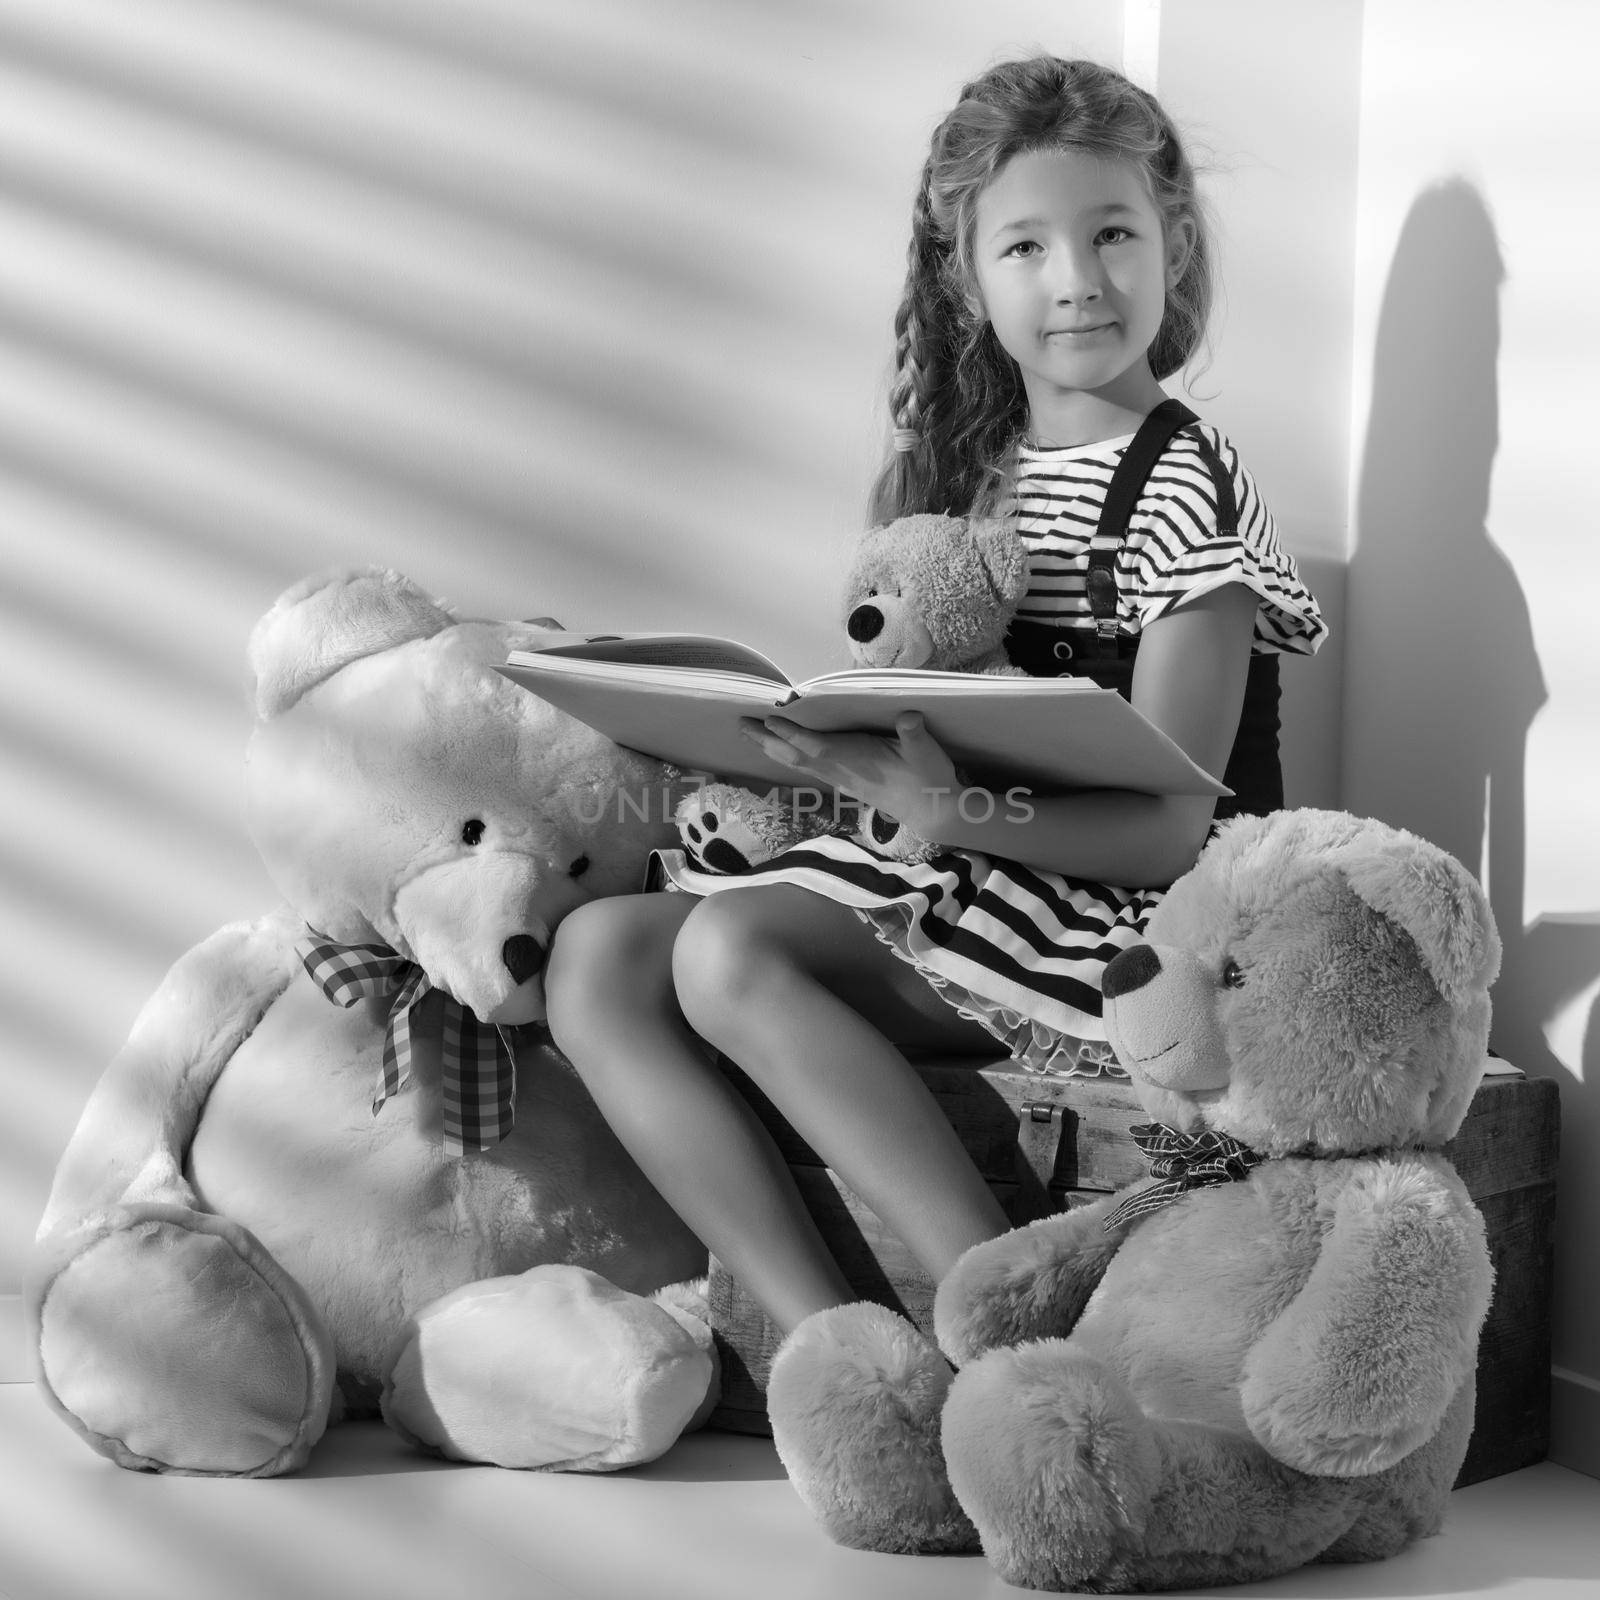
577 308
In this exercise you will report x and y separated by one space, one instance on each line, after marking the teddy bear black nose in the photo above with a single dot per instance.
1130 970
864 624
523 956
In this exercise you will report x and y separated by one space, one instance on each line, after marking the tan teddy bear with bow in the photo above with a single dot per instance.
1261 1358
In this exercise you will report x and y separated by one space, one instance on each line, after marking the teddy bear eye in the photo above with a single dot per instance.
1232 975
578 867
472 831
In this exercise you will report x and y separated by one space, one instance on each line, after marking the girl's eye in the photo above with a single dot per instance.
1023 248
1232 975
472 832
1114 235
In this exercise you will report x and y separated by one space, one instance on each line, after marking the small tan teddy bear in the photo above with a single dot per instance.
925 591
1265 1356
936 592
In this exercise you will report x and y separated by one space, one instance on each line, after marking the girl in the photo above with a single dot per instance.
1059 267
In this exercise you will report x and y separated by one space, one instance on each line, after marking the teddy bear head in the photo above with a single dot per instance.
933 591
1316 984
403 793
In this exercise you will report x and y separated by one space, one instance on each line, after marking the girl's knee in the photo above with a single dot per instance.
725 955
604 954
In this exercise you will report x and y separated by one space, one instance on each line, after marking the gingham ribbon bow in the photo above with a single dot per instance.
1184 1161
480 1081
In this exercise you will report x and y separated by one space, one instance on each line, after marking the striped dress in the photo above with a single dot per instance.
1015 948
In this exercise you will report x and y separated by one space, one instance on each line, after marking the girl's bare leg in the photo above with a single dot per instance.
613 1011
800 993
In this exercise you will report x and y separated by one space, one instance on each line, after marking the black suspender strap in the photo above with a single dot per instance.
1227 508
1122 494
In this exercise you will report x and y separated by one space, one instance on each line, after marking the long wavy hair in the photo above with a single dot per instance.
956 400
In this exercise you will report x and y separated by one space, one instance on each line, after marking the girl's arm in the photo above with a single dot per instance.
1188 680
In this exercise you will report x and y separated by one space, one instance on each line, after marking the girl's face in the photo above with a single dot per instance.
1073 268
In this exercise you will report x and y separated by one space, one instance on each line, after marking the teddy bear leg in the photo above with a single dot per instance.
1408 1501
854 1398
553 1369
1053 1461
1072 1487
171 1341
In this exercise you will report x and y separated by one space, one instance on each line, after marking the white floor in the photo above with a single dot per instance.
714 1519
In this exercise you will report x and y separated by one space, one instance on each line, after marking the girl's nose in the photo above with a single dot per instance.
1077 277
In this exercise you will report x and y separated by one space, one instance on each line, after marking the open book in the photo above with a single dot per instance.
679 697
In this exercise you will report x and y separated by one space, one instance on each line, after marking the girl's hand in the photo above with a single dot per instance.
904 774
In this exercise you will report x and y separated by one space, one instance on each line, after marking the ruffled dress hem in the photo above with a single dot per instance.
1035 1045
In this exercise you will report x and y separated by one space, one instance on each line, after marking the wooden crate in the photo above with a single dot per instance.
1047 1144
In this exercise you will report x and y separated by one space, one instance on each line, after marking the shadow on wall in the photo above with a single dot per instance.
1443 678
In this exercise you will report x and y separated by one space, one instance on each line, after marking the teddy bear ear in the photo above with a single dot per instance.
328 621
1426 891
1004 556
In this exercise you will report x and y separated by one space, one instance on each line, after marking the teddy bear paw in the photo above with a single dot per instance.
854 1399
884 836
171 1341
727 829
1030 1283
553 1369
1054 1462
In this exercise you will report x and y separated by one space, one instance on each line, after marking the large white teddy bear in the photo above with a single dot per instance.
239 1247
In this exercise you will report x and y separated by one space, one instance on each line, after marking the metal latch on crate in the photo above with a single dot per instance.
1041 1129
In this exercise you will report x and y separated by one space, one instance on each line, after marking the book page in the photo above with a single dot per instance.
1052 733
690 719
692 652
923 680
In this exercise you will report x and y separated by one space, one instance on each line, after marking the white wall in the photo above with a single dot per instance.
1472 676
578 307
1269 97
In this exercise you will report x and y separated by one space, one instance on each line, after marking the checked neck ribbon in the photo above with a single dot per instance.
479 1087
1182 1161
